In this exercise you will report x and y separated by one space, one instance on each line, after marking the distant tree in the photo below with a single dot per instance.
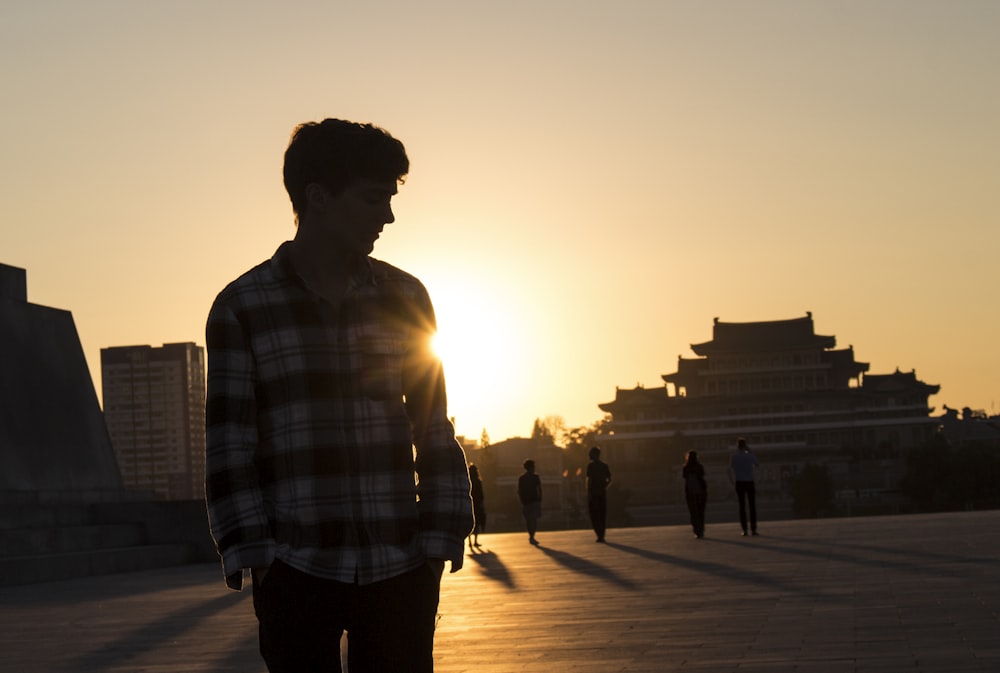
484 439
812 490
577 443
941 477
551 428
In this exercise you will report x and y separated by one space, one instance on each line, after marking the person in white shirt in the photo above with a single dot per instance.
741 474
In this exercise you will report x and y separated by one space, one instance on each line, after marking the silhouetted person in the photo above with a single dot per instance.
478 506
333 472
598 480
741 473
695 492
529 492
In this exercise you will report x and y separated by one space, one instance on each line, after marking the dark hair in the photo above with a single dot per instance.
594 452
335 153
691 458
741 443
528 464
473 470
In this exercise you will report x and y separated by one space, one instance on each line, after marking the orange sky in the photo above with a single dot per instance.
591 183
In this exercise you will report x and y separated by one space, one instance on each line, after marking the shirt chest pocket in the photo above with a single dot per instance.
382 359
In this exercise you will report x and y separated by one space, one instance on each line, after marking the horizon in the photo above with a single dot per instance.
475 440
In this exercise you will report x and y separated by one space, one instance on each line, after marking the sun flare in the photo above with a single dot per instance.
479 344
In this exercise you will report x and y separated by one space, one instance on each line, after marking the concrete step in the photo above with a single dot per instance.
34 515
65 539
17 570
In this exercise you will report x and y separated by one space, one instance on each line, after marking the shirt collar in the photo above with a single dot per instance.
282 261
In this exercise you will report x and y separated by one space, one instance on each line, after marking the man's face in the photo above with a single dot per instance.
353 219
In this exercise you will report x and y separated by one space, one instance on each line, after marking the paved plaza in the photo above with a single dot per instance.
907 593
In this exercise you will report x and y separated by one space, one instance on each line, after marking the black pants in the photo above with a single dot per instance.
696 508
532 511
390 624
748 500
597 504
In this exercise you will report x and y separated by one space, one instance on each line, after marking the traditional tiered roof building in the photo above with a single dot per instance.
790 392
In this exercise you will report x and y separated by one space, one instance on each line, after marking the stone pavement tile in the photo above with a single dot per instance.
948 661
174 619
856 603
842 595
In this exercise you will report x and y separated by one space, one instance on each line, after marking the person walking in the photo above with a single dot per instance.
741 474
478 507
598 480
332 469
695 492
529 492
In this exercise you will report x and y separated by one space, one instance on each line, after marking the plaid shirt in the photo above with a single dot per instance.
328 441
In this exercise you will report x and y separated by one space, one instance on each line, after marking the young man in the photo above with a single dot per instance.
324 401
741 474
598 480
529 492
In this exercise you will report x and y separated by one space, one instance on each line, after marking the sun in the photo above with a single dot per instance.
472 350
475 350
480 346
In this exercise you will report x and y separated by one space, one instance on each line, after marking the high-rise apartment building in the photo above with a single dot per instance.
154 407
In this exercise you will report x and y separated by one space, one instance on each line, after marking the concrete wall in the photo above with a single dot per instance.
52 432
166 522
13 283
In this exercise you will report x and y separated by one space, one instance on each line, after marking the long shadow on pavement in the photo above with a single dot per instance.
493 568
155 634
582 565
830 554
740 573
908 551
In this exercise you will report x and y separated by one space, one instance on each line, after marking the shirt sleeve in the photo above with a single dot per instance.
236 511
443 486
